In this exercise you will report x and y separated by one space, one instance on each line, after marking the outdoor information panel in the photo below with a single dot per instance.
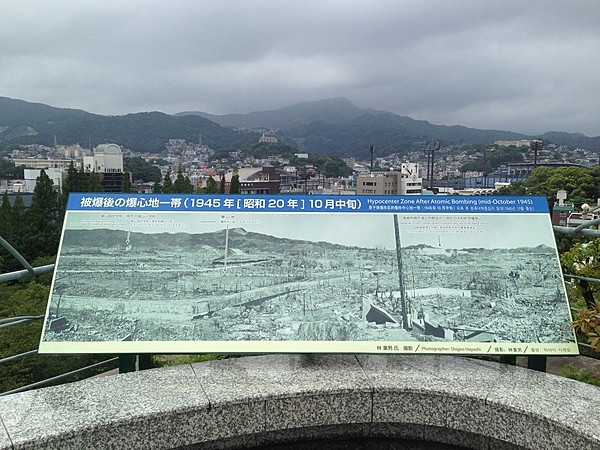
186 273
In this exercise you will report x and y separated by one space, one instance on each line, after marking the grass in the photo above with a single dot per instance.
175 360
574 373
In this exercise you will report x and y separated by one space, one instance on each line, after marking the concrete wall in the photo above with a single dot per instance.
253 401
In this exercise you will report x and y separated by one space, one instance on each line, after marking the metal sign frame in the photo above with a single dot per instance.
183 273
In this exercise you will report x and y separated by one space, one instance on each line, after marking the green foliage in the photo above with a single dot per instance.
167 184
8 171
126 186
95 184
42 225
587 325
35 234
515 188
234 185
29 299
574 373
222 184
142 170
141 132
331 166
175 360
5 216
495 158
211 186
582 260
582 184
565 242
182 184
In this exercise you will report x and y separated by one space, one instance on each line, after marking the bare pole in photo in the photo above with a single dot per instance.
405 323
226 247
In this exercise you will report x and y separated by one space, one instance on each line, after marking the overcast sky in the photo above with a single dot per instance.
525 66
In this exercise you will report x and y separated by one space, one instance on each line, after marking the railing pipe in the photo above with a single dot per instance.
26 272
16 254
582 231
5 323
58 377
20 355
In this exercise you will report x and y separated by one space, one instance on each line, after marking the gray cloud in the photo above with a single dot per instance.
527 66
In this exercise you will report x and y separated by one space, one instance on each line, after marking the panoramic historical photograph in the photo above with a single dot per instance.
307 277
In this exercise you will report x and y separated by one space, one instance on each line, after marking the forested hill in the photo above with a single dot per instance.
336 126
326 127
24 123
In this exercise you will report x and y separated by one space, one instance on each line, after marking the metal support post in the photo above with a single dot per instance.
537 362
127 363
145 361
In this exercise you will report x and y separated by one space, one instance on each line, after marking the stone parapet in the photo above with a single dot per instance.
274 399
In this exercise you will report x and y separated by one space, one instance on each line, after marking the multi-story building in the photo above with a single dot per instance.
45 163
265 180
407 181
107 162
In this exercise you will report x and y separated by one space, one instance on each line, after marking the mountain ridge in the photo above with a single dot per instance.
140 132
327 127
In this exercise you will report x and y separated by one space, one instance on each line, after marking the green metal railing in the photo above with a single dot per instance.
583 229
20 320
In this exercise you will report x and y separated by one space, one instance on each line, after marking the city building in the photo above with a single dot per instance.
268 139
254 180
56 175
46 163
515 143
407 181
107 163
561 210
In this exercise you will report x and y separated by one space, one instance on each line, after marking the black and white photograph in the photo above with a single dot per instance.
181 277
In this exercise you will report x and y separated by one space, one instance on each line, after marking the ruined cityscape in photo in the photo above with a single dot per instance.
381 277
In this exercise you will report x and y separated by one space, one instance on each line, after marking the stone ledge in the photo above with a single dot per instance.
253 401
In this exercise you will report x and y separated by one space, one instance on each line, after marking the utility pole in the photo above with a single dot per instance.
430 149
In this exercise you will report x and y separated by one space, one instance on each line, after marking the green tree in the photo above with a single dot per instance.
42 230
95 184
234 185
514 188
5 229
126 186
5 213
17 222
222 184
167 185
582 260
211 186
141 169
72 183
581 184
188 187
182 184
